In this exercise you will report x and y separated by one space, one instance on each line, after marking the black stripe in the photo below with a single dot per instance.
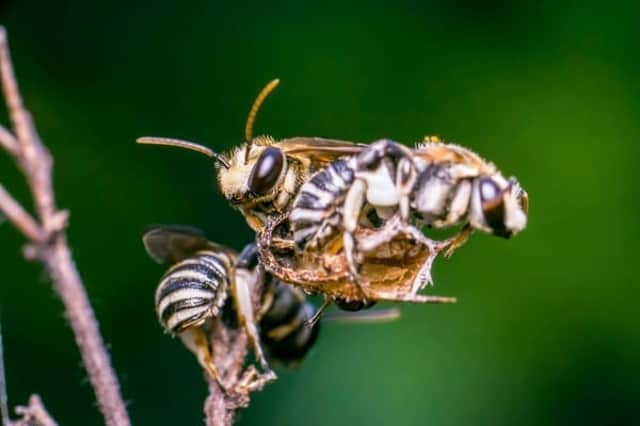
203 268
343 170
323 182
193 302
183 325
310 201
211 256
173 285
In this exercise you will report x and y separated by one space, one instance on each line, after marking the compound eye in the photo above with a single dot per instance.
267 170
492 199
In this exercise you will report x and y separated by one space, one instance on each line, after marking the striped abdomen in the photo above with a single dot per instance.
193 290
314 215
282 328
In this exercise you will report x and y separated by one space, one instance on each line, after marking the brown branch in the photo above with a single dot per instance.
49 245
19 217
230 347
8 141
230 351
34 414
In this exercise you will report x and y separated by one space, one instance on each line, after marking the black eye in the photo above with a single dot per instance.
493 207
266 171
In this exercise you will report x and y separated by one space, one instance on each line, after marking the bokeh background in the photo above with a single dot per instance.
546 330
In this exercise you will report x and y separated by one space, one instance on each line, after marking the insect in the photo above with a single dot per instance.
194 290
262 176
436 184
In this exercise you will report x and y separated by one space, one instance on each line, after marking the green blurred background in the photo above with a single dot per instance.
546 330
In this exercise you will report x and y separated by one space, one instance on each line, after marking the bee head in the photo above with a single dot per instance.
257 166
250 173
257 178
498 206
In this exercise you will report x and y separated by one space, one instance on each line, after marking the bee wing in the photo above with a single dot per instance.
173 243
320 149
452 153
440 152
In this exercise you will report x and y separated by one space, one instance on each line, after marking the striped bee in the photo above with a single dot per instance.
194 292
438 184
262 176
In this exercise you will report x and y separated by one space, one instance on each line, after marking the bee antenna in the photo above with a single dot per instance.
248 128
314 319
147 140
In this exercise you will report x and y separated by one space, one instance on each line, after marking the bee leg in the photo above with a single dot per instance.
252 380
316 316
405 178
196 341
241 293
391 228
396 226
353 203
458 240
349 252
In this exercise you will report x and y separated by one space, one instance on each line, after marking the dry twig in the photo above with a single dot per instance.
230 347
48 244
34 414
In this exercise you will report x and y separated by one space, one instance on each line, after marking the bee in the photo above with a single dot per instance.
437 184
194 291
262 176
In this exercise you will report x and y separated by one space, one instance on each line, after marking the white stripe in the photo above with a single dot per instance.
187 275
325 198
184 294
299 214
182 315
336 178
220 267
